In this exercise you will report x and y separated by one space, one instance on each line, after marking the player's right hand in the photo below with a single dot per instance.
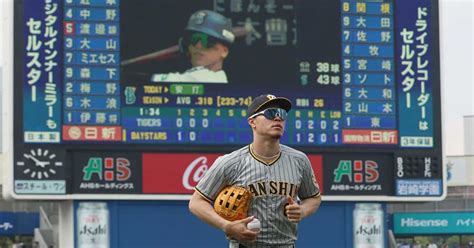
293 210
238 230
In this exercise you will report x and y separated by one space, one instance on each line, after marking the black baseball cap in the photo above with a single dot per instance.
268 101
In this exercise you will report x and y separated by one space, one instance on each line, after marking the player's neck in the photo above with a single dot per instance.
265 149
215 67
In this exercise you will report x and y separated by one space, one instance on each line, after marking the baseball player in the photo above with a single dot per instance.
275 174
207 39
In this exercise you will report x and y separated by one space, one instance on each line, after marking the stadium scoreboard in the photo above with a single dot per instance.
363 78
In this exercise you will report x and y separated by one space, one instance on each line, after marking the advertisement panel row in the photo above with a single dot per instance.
174 174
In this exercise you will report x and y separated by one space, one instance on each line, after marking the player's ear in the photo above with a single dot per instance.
225 51
251 122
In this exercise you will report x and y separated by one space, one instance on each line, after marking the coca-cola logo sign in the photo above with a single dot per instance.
194 172
174 173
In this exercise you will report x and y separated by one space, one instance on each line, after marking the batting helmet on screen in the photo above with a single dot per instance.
213 24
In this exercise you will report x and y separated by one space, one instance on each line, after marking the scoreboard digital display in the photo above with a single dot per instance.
99 110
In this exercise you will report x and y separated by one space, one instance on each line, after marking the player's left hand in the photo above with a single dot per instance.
238 230
293 211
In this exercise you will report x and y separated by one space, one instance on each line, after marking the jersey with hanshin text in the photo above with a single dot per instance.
291 174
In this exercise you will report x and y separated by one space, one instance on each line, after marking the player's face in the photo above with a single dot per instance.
210 55
270 123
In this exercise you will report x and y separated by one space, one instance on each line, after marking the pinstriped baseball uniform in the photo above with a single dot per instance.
291 174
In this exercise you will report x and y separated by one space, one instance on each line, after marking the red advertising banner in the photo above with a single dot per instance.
179 173
362 136
174 173
317 164
92 133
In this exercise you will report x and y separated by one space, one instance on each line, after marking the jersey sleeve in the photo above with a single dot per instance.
166 77
309 186
205 76
214 180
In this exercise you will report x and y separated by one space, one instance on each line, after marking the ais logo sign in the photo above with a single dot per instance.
98 172
356 171
358 174
108 169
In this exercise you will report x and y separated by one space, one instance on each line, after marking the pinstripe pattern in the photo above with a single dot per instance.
291 174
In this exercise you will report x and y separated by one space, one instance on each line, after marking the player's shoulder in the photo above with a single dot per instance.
239 152
202 74
292 152
234 156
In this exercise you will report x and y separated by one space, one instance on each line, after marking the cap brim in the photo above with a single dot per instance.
281 102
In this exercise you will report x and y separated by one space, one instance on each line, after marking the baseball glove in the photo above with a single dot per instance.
233 202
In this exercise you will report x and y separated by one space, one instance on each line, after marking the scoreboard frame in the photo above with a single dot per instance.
12 138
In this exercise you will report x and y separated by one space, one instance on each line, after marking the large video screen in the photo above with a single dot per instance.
113 85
